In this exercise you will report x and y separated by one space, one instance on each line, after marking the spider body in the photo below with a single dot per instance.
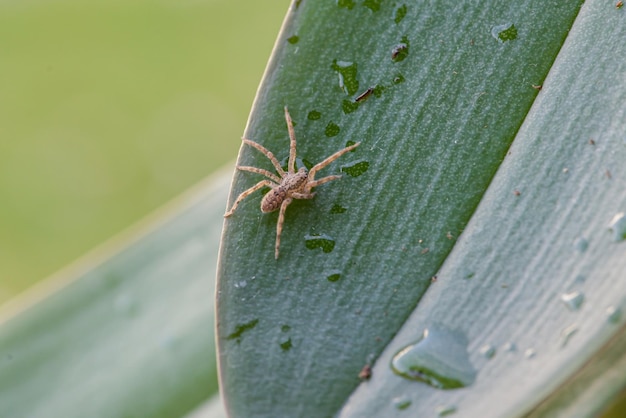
287 185
291 183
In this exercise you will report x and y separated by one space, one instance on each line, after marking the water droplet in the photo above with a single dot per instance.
439 359
613 314
373 5
348 76
347 4
398 79
356 168
488 351
567 334
509 347
573 300
326 243
581 244
401 402
337 209
618 227
127 305
285 328
314 115
401 50
332 129
530 353
286 345
348 106
443 410
293 39
241 284
241 328
400 14
505 32
334 276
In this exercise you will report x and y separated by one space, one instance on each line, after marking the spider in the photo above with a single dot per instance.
290 185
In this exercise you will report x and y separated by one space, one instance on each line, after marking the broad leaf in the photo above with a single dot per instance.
520 299
126 332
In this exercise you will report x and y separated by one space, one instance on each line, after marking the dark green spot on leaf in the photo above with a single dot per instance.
400 13
378 90
241 328
401 50
332 129
349 106
398 79
334 277
356 169
373 5
337 209
314 115
293 39
348 4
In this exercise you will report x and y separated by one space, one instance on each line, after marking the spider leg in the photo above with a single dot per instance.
291 166
247 193
321 181
279 224
268 154
261 171
304 195
329 160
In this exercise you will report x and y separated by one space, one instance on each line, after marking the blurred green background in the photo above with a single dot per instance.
108 109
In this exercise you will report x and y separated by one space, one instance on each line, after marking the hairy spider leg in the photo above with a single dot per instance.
268 154
303 195
291 166
323 180
260 171
279 224
247 193
312 182
330 159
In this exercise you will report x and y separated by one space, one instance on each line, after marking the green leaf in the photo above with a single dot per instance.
126 332
434 136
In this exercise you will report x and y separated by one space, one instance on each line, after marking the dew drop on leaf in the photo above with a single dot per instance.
401 402
581 244
439 359
505 32
356 168
617 226
573 300
613 314
488 351
445 410
325 242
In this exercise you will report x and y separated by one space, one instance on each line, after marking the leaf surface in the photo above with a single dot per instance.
294 333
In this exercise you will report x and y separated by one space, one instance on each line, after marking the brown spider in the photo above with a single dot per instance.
290 185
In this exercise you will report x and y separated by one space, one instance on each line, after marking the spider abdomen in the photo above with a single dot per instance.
273 199
291 183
